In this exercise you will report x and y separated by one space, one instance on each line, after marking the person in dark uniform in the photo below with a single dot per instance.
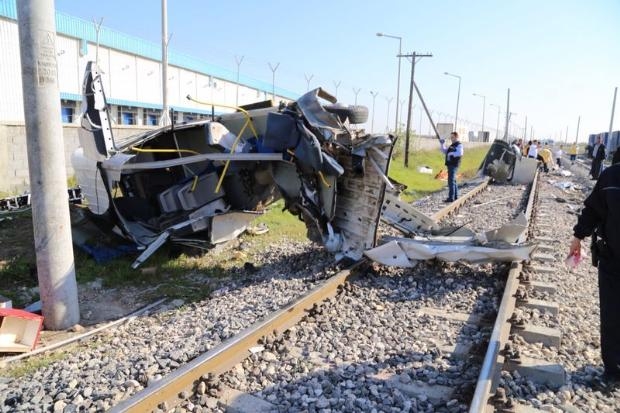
453 153
601 219
598 154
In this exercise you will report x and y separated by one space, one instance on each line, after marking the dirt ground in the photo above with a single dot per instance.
98 303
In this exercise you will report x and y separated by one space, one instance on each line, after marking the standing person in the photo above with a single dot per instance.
526 148
546 157
573 153
598 154
532 152
600 217
516 147
558 155
453 153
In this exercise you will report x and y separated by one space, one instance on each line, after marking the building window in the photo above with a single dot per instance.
67 109
151 117
127 115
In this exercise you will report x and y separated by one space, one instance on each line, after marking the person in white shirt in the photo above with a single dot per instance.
558 155
516 147
533 151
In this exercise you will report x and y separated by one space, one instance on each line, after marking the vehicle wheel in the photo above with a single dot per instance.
355 113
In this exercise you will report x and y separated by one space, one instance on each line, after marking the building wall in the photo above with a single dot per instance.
128 79
14 176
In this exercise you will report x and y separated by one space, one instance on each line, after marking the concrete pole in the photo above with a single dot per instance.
613 109
507 115
400 46
46 164
165 115
387 122
409 108
577 134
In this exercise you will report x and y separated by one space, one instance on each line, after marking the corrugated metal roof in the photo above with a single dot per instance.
83 29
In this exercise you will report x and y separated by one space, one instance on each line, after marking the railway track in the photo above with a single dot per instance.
397 340
179 385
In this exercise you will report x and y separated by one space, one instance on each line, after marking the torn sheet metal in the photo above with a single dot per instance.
406 252
404 217
509 232
495 245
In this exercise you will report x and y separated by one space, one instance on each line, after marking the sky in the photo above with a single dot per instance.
560 58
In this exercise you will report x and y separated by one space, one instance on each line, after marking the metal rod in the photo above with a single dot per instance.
46 164
430 119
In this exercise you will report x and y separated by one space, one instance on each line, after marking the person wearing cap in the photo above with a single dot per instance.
453 154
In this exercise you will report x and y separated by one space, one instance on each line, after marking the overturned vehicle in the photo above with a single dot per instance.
202 183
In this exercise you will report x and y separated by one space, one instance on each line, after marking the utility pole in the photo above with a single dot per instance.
165 114
613 109
46 164
577 134
273 80
387 123
401 107
499 109
413 57
507 115
238 60
525 130
566 138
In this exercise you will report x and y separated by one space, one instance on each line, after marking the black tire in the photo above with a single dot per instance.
354 113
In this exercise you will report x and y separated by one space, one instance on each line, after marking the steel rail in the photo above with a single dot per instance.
448 209
232 351
488 376
226 355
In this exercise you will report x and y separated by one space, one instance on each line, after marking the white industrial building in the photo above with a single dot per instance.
131 74
132 81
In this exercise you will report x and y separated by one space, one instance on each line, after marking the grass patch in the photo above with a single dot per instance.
32 364
189 275
419 184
